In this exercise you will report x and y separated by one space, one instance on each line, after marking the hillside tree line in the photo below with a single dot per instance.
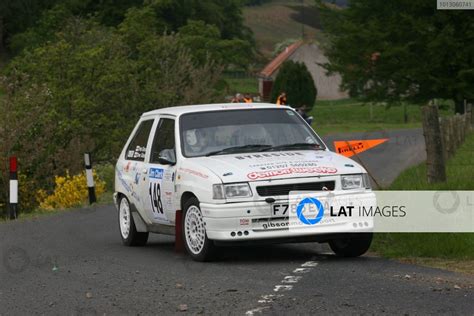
82 72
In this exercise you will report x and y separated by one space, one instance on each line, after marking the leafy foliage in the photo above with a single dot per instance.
401 50
204 40
69 191
85 90
209 27
295 79
83 71
254 2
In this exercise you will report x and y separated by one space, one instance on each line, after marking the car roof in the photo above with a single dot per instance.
179 110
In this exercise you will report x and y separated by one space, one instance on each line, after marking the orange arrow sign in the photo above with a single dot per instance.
350 148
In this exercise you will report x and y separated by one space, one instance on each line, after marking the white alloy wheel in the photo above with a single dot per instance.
124 218
194 229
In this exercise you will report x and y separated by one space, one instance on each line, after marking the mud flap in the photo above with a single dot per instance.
139 223
179 242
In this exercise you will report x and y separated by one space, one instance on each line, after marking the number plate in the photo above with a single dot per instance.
279 210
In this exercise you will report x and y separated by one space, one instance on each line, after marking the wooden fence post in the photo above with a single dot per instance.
469 118
435 163
443 128
450 134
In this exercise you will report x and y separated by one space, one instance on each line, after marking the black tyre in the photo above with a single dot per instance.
354 245
194 232
128 231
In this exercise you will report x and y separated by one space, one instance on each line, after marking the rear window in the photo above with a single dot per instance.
137 148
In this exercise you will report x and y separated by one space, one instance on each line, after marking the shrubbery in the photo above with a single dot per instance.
295 79
85 88
69 191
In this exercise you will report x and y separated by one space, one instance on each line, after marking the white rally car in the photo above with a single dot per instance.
228 169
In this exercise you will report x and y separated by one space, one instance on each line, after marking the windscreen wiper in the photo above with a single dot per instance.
234 149
294 146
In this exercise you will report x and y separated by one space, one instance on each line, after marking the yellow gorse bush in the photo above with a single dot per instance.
69 191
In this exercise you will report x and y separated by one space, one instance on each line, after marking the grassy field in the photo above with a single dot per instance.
277 21
452 251
242 85
345 116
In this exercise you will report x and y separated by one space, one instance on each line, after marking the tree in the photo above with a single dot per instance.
223 34
295 79
401 50
18 15
205 41
45 28
85 90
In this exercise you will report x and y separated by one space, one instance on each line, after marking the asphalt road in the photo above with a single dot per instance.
74 264
404 148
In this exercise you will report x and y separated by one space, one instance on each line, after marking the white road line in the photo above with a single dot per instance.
256 310
269 298
279 288
302 270
289 279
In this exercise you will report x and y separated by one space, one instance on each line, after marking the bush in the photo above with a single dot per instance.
84 90
295 79
70 191
106 173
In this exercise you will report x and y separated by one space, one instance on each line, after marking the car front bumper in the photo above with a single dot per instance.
243 221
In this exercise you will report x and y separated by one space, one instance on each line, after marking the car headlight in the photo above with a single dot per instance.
366 179
235 190
354 181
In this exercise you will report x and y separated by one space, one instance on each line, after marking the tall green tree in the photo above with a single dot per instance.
230 40
205 41
85 90
295 79
401 50
17 16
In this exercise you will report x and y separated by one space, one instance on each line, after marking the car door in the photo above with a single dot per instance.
158 183
130 165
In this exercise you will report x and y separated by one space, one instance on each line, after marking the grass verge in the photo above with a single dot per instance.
105 199
452 251
346 116
242 85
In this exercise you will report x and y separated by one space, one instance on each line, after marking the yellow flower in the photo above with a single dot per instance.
69 191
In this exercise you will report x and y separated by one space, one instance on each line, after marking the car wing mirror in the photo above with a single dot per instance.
167 157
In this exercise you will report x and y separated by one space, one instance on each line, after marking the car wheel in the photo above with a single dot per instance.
351 246
194 232
128 231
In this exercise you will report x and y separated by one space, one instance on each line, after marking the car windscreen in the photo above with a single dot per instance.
246 130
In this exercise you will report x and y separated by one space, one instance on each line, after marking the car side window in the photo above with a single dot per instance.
163 139
137 148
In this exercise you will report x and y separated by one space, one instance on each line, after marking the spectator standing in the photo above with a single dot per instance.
281 100
237 99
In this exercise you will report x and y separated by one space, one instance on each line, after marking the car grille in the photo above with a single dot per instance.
285 189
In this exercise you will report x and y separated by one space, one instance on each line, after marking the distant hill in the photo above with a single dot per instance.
278 20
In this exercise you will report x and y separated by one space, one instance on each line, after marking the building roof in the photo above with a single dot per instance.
178 110
277 61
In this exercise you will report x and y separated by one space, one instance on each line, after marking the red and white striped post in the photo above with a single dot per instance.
90 178
13 207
